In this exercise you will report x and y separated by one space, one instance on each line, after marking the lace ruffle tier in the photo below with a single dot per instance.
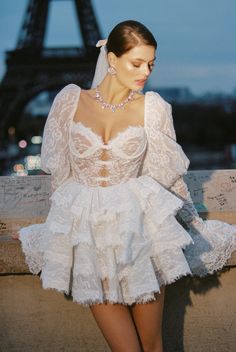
121 243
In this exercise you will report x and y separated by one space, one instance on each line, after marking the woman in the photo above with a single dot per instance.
111 236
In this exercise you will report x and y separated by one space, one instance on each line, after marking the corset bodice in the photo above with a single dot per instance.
95 163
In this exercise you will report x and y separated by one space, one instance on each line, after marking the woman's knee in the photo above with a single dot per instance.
117 326
153 346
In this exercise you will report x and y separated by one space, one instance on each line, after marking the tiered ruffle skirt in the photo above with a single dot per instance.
120 244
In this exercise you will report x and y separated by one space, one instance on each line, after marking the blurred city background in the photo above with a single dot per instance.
46 44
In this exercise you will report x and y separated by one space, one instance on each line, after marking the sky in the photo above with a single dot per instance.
196 39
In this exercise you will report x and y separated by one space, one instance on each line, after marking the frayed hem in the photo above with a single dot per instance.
54 288
178 277
144 298
217 265
111 302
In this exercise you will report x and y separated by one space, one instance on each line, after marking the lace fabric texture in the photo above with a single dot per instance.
111 233
214 241
108 239
123 155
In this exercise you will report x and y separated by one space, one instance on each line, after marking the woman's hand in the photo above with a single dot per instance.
15 236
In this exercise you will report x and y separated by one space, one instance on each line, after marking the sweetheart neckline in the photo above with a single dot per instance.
111 140
98 136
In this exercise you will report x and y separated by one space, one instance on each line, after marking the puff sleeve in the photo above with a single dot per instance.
55 147
188 212
164 160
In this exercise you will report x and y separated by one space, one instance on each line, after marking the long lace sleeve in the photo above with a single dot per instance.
54 151
165 160
188 213
213 240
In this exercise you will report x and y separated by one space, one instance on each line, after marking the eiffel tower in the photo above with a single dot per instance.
32 68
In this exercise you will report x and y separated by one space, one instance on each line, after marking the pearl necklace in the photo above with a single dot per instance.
113 107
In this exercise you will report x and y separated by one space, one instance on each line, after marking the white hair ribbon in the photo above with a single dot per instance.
102 64
101 43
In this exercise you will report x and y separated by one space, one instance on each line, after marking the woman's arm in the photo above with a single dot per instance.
165 160
54 151
188 212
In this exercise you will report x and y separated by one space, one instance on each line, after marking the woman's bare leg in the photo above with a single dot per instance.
148 321
117 326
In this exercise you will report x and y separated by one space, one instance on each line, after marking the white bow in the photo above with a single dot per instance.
101 42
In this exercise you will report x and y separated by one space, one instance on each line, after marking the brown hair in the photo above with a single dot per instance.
128 34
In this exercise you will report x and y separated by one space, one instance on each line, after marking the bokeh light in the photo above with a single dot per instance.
18 167
33 162
11 130
36 140
22 143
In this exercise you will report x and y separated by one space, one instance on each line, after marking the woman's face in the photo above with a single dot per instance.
134 67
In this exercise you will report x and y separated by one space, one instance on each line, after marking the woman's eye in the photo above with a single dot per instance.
150 66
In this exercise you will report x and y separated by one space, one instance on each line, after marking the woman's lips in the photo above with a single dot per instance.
141 82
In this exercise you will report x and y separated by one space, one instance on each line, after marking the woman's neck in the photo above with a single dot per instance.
112 91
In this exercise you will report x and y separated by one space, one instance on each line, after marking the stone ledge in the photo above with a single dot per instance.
25 200
12 260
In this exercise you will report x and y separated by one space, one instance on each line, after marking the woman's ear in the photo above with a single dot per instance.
112 59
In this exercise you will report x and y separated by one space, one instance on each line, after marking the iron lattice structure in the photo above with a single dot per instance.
32 68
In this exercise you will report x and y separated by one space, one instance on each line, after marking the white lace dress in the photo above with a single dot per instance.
112 233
